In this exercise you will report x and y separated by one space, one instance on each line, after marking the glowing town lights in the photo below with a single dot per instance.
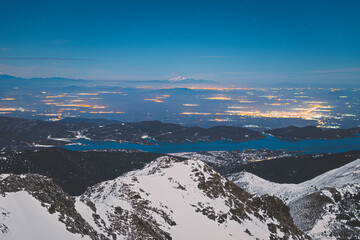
157 99
7 109
314 102
110 92
87 94
276 104
190 105
100 107
220 120
163 97
222 98
56 96
219 98
308 114
195 113
269 97
154 100
69 105
8 99
4 109
103 112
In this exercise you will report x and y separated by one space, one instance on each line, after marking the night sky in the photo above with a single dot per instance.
230 41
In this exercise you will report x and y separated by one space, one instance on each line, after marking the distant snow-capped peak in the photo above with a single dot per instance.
178 78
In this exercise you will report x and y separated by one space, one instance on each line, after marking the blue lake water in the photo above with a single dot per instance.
313 146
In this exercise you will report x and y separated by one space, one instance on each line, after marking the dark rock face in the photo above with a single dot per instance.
273 206
310 132
328 212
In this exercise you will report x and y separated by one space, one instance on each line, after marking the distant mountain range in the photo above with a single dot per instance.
174 80
9 77
8 81
12 81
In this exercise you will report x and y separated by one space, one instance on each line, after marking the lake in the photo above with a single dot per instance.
313 146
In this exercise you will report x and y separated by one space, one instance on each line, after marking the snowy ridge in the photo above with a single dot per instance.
181 200
325 207
347 174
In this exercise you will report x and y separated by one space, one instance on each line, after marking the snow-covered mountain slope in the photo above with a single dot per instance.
347 174
327 206
166 199
22 216
182 200
33 207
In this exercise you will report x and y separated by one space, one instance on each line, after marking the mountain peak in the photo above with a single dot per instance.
168 199
178 78
181 79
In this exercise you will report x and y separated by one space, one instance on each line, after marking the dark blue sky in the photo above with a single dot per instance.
239 41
